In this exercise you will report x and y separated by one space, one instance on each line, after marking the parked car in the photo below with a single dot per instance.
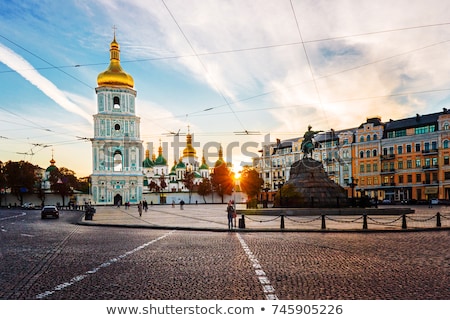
28 205
50 211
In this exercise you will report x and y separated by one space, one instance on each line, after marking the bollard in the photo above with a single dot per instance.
404 221
438 220
282 222
242 222
323 222
365 221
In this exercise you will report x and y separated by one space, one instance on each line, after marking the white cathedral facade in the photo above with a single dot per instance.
121 173
117 151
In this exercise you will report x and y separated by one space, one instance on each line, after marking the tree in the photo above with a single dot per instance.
188 181
63 181
20 178
204 188
251 182
222 180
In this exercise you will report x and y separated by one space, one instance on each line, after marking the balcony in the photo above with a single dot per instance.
388 171
387 157
429 151
430 182
430 168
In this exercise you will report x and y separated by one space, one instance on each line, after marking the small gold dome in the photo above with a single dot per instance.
189 151
114 75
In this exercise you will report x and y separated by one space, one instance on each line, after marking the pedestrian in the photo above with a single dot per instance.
230 214
173 203
181 204
145 204
140 208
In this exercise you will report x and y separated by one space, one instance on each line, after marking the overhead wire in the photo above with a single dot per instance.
204 67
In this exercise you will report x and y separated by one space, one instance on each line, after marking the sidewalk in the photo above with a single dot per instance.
213 217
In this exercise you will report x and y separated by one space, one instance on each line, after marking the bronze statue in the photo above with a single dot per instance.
307 143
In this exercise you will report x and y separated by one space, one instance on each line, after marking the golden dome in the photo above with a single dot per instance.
189 151
114 75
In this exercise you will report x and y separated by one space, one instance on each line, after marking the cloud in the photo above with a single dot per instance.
358 72
27 71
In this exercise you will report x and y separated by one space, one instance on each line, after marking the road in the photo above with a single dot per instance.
60 259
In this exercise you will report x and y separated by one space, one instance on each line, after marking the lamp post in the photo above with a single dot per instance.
266 190
280 186
352 185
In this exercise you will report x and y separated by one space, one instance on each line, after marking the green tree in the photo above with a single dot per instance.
250 182
204 188
63 181
222 180
188 181
20 177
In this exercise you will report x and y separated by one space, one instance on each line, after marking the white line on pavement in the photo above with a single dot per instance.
268 289
103 265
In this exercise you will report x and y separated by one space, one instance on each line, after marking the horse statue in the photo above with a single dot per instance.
307 143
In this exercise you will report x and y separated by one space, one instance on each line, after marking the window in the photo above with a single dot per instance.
409 177
418 163
447 175
368 137
445 144
361 168
374 152
117 127
446 160
117 161
116 103
408 148
368 167
400 165
375 137
368 153
399 149
409 164
417 147
361 154
361 139
418 177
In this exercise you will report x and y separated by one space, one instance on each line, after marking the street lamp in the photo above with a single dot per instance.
280 186
266 190
352 185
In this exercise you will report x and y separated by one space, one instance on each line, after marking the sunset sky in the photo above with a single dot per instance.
222 68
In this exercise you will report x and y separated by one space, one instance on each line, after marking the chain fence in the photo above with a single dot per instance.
338 222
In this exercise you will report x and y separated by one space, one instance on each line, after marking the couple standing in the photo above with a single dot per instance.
231 213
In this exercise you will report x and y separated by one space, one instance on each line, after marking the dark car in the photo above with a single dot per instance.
50 211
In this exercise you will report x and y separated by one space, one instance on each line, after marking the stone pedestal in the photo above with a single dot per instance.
310 187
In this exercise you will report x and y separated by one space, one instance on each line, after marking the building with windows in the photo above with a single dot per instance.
117 152
399 160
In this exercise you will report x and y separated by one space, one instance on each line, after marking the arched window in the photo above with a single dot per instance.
374 152
116 102
368 137
361 139
361 154
368 153
375 137
118 161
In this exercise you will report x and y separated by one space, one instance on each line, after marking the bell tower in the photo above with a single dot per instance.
117 151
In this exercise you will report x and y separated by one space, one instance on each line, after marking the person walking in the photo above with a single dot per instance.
230 215
140 208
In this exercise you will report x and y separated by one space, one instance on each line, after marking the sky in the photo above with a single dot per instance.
235 73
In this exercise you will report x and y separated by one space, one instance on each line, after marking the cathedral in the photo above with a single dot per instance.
117 151
121 173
